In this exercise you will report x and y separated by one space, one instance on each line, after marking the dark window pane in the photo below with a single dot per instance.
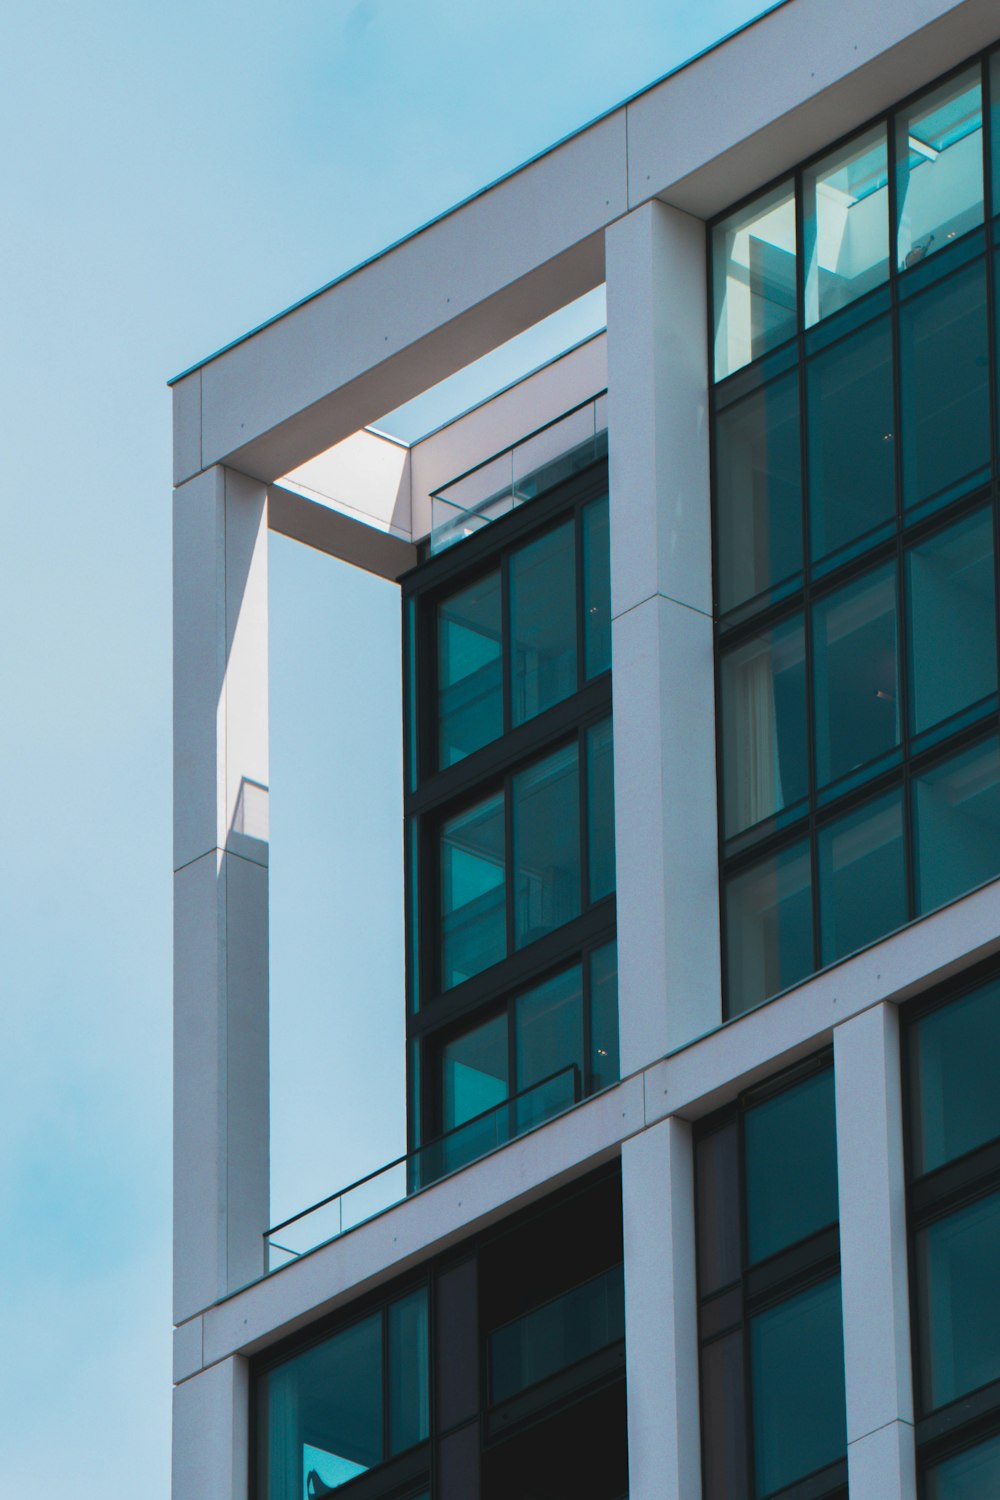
953 1071
846 224
473 909
765 751
409 1422
548 1039
474 1072
604 1063
862 877
856 684
973 1475
543 623
797 1378
753 260
852 485
957 835
717 1176
759 491
951 621
958 1298
597 587
601 809
939 153
723 1416
944 359
790 1145
769 943
546 845
470 690
564 1331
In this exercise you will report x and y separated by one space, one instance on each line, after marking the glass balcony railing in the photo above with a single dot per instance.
558 1334
384 1188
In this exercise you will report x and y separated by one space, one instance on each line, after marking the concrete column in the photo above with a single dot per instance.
661 1313
211 1444
661 601
221 1192
881 1459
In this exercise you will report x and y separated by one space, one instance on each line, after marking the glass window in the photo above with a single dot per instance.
939 154
955 1105
944 388
855 676
852 483
753 254
723 1417
797 1381
956 806
561 1333
973 1475
548 1047
543 623
862 877
473 904
470 676
718 1196
604 1063
958 1296
546 845
846 224
769 943
758 491
601 810
474 1072
597 587
409 1420
951 621
790 1161
765 750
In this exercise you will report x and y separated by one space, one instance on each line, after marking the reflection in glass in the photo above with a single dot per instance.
753 254
973 1475
546 845
759 491
944 388
797 1381
790 1161
846 224
604 1063
862 877
939 154
474 1072
958 1297
855 677
543 623
409 1421
596 587
601 810
765 753
548 1039
769 943
955 1104
550 1338
470 702
956 807
951 621
852 486
473 912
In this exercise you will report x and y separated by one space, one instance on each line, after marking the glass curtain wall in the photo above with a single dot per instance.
855 483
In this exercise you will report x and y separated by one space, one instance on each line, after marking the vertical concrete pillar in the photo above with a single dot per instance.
211 1444
661 601
661 1313
220 887
880 1451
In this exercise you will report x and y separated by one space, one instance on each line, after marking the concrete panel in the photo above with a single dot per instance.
367 474
211 1445
339 535
247 1121
883 1466
187 427
188 1352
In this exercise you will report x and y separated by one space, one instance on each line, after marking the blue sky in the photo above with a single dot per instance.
173 175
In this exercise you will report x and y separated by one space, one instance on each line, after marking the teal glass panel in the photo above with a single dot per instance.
845 211
956 806
470 670
951 621
944 388
324 1413
852 482
973 1475
548 1040
769 940
601 810
790 1165
561 1333
543 623
474 1072
862 877
954 1099
596 587
765 755
797 1384
958 1301
409 1420
546 845
473 906
604 1059
753 276
939 156
758 491
412 690
855 681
